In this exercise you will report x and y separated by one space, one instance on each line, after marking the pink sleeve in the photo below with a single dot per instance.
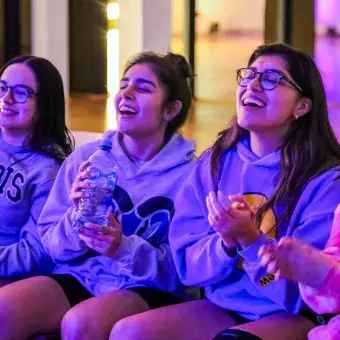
326 299
334 239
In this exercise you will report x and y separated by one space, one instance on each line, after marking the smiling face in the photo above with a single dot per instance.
15 117
139 102
260 110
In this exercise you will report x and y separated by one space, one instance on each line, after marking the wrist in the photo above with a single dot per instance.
229 248
249 238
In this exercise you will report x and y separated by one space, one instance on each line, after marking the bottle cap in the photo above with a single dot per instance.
105 144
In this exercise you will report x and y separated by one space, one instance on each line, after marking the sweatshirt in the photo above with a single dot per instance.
26 178
237 282
144 200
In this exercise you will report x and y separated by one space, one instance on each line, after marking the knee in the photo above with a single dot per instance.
128 328
74 324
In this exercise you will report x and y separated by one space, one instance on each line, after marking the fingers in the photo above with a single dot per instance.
112 219
213 205
98 231
265 249
242 202
83 166
237 198
223 200
212 221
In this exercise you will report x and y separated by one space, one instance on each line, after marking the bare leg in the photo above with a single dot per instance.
281 326
94 318
188 321
31 306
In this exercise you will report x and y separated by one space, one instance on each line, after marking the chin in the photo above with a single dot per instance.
250 125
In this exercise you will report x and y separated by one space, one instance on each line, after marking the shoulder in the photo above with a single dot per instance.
322 193
327 178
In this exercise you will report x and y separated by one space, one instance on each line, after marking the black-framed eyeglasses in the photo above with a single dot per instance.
20 93
269 79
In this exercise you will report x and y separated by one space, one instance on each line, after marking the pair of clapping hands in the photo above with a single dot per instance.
233 219
102 239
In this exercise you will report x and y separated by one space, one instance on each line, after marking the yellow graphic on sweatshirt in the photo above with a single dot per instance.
268 223
269 220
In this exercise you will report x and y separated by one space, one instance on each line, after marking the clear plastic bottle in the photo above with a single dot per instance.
93 206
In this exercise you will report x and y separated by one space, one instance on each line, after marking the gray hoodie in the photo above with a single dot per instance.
144 200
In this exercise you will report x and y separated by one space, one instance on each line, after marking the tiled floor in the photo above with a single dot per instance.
217 59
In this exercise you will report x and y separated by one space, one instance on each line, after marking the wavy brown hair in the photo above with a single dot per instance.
309 146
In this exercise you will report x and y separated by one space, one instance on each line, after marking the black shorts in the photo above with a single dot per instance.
76 293
318 319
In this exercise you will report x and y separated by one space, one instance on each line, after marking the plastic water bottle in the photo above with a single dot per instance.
93 206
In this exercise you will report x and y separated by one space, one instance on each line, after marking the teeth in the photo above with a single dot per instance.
124 108
254 101
7 110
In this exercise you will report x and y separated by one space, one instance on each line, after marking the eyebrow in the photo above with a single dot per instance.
141 81
26 86
272 69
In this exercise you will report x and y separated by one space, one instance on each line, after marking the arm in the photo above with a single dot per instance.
27 256
199 254
143 262
313 220
59 238
325 299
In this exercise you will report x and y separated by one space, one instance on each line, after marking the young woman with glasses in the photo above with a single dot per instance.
273 172
34 141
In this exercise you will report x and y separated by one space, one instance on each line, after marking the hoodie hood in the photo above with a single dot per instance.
244 151
177 151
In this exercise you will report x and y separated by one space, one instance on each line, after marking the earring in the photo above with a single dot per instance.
296 116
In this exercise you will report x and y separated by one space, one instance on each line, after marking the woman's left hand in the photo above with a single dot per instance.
237 222
246 231
103 239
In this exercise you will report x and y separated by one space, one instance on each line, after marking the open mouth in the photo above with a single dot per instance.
253 102
127 110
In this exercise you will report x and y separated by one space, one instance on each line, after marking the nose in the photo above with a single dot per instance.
128 92
255 84
7 97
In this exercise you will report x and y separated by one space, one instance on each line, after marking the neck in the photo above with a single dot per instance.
144 148
264 144
13 138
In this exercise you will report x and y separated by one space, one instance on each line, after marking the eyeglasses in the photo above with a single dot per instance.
20 93
269 79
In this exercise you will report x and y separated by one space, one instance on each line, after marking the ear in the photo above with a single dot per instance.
303 107
172 110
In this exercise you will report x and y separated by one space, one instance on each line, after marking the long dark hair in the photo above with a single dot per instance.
49 134
309 146
175 74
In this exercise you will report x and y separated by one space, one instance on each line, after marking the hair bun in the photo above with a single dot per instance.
181 64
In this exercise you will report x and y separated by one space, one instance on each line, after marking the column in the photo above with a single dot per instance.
50 34
144 25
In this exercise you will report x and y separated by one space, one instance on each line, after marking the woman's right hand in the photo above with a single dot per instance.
80 183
